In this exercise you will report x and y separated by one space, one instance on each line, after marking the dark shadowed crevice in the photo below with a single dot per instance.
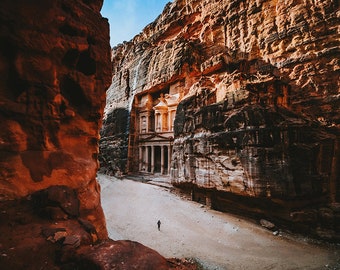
86 64
81 61
67 29
72 91
71 57
91 40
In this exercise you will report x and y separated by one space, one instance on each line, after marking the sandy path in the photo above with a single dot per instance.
218 240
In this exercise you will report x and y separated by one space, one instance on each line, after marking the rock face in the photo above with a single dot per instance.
37 233
55 68
258 129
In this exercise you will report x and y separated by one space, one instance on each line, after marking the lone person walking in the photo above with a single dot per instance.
159 225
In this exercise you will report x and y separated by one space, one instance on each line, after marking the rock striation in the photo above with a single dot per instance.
55 67
258 128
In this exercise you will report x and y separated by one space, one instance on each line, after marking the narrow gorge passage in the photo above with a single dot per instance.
217 240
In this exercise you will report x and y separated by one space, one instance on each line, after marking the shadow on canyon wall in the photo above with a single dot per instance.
114 142
254 152
260 118
258 153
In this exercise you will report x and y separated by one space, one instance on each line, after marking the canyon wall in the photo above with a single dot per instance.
55 67
258 129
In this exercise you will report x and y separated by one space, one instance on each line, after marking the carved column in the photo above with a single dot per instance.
162 122
147 158
169 158
152 159
158 123
162 159
148 121
169 120
140 158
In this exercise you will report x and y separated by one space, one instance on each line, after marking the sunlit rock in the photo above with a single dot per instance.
257 119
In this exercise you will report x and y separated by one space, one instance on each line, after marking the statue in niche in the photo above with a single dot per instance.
161 98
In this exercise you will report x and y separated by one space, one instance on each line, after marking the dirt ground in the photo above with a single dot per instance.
190 230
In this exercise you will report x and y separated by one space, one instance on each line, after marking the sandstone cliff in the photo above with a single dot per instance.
55 69
259 122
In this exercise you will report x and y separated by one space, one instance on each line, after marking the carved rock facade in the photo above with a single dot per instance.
55 69
258 128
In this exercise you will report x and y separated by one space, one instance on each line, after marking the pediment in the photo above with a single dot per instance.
154 137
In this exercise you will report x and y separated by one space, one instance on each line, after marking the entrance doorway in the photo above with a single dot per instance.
158 164
149 158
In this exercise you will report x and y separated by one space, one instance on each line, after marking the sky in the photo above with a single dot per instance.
127 18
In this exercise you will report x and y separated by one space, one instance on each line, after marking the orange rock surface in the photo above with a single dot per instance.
55 68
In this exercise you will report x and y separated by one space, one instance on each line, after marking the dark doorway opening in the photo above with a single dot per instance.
149 158
157 159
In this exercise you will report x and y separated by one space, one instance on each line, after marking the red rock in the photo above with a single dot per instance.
55 68
119 255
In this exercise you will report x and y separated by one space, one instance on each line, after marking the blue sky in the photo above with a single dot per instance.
127 18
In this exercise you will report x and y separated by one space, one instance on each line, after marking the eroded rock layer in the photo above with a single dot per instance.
44 231
55 68
260 120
